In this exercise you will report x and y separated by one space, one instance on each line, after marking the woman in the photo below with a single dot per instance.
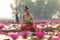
27 17
28 20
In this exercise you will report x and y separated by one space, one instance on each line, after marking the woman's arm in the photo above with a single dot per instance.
31 17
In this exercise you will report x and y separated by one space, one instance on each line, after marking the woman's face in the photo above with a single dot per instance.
27 12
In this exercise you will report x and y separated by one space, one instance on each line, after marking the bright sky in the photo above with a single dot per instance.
5 10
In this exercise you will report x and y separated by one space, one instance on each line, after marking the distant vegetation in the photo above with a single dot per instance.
41 9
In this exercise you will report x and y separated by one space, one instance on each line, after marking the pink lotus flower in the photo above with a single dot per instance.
1 26
54 38
24 33
58 38
40 34
42 25
1 33
59 34
13 35
35 28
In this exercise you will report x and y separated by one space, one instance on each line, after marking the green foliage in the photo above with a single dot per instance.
39 7
58 27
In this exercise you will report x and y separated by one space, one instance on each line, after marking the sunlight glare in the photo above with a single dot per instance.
5 9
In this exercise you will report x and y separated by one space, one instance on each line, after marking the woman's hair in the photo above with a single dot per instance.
26 8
